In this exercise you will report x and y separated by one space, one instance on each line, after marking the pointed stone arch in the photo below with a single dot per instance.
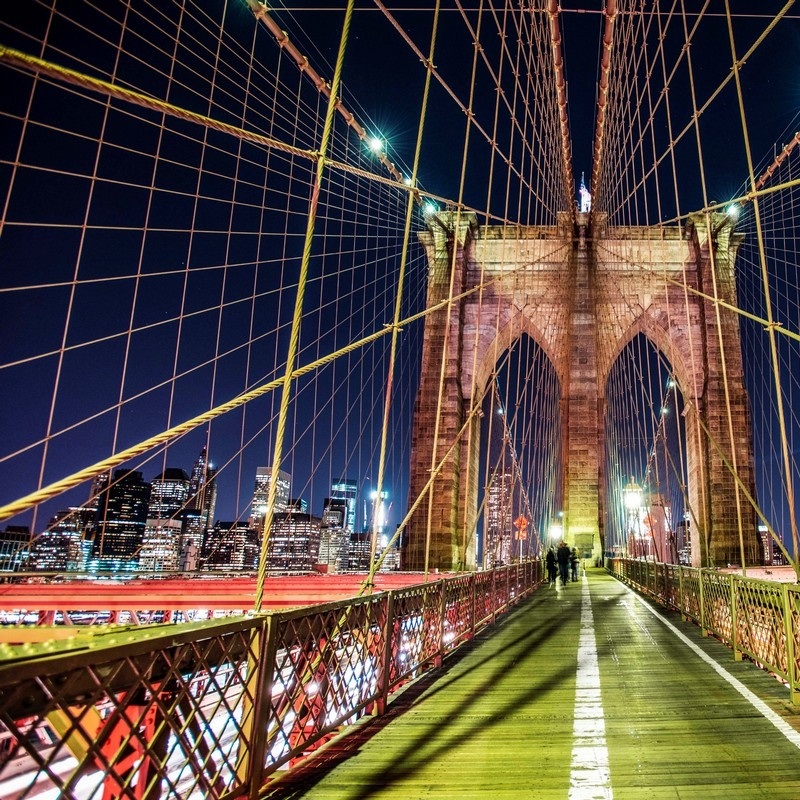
516 323
650 324
657 338
581 293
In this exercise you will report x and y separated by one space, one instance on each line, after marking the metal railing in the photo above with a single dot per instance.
755 618
213 709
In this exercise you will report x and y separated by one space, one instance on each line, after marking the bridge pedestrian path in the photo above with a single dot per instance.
583 691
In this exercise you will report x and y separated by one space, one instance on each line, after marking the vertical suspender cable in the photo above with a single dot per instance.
696 515
602 90
449 310
561 94
399 301
706 487
713 270
767 299
294 341
468 476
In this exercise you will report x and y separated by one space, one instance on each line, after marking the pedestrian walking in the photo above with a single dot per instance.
552 570
574 561
563 556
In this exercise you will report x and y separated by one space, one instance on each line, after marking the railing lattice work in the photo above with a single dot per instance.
213 709
758 619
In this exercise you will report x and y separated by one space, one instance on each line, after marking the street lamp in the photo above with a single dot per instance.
632 499
429 208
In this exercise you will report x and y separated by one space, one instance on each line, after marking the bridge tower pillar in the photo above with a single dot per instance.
662 283
443 526
718 415
581 431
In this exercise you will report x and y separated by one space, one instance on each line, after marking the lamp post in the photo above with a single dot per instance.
632 500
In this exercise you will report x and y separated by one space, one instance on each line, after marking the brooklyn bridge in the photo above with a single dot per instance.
326 326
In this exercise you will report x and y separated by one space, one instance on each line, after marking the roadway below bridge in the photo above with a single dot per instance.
584 691
189 593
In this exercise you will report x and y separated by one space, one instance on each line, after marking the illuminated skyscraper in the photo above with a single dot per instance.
161 543
773 557
586 198
200 510
121 520
293 543
160 550
60 547
346 490
359 549
15 548
98 485
168 495
377 515
389 555
193 532
258 508
377 525
203 487
334 541
231 547
497 521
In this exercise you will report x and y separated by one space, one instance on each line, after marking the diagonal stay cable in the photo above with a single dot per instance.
58 487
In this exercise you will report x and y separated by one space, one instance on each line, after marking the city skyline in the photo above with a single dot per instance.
168 525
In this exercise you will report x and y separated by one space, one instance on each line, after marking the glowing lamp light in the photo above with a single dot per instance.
732 211
664 411
407 181
632 496
429 208
556 531
376 145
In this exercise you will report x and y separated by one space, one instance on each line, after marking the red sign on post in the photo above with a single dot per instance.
521 524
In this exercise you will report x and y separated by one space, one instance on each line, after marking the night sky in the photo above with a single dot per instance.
173 204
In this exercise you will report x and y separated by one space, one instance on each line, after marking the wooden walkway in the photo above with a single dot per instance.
517 714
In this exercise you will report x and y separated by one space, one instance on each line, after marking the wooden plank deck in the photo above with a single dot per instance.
498 721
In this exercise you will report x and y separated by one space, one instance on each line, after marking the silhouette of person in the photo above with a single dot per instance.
574 562
552 571
563 557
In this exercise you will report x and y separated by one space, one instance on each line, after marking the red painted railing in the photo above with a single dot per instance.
213 709
756 618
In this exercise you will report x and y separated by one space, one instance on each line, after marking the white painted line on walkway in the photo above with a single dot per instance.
787 730
590 777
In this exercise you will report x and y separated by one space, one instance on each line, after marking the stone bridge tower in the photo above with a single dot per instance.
581 292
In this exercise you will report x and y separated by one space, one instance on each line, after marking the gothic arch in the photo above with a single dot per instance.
582 300
517 322
653 324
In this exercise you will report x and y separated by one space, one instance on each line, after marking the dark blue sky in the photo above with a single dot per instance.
209 183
